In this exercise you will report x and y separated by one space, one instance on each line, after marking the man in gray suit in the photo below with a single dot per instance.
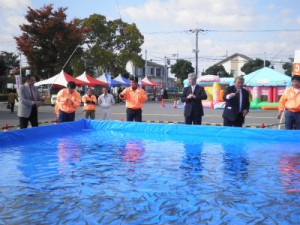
29 101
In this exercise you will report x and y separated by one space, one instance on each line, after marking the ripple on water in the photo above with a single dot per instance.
113 178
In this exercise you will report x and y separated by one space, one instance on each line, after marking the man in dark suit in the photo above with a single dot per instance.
29 101
192 97
237 104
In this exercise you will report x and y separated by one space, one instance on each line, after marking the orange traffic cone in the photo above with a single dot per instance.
262 125
5 128
162 103
175 104
56 120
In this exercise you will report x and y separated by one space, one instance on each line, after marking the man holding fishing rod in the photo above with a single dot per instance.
237 104
289 104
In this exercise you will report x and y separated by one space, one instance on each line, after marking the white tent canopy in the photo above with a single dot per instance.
60 79
147 82
90 80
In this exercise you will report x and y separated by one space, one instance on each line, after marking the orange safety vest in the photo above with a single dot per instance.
290 100
65 106
134 98
87 102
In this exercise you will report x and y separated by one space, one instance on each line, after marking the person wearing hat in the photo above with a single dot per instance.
134 96
289 103
68 100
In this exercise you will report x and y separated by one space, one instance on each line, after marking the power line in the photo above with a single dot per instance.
226 31
255 31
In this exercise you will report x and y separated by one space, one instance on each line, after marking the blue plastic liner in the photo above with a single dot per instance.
236 134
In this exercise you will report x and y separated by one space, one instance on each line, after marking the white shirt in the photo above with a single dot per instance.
193 88
105 101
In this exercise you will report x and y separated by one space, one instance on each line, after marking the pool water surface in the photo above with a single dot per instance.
108 177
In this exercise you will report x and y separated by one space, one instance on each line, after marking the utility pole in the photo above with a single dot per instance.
146 64
167 62
196 31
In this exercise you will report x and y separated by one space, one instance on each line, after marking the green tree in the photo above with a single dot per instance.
182 68
288 67
254 65
8 61
217 70
48 40
111 44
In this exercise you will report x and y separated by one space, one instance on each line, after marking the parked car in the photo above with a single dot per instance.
172 90
53 99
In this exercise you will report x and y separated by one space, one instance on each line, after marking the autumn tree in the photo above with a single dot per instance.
218 70
254 65
111 44
182 68
47 40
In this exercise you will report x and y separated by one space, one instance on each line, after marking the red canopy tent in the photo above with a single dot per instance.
147 82
90 80
61 79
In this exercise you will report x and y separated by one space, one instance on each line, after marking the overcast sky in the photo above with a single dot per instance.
255 28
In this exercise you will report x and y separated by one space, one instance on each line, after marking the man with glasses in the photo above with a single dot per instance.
237 104
29 101
68 100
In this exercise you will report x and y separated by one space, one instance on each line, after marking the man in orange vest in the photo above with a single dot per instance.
134 96
89 104
289 103
68 100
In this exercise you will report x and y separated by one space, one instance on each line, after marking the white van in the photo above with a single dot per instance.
53 99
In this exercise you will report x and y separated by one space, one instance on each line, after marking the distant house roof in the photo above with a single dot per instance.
151 63
232 57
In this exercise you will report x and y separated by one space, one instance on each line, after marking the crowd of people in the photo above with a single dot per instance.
69 100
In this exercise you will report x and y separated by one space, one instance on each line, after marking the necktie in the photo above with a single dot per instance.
240 99
193 88
31 93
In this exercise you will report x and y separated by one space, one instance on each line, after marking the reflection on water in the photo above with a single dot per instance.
69 153
289 166
133 151
111 178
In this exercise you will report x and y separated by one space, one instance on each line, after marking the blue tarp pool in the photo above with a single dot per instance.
97 172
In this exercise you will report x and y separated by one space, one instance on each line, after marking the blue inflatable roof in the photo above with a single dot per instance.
267 77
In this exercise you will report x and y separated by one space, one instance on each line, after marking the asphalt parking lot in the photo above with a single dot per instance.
152 112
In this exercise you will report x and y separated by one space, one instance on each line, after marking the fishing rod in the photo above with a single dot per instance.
64 65
274 124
